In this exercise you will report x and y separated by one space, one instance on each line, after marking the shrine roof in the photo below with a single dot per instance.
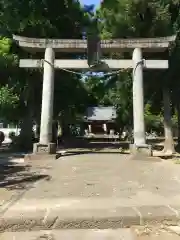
100 114
80 45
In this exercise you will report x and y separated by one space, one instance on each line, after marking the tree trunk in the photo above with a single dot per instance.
178 123
169 143
26 135
37 131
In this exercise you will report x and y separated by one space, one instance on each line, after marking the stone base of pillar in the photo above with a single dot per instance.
43 152
143 150
39 148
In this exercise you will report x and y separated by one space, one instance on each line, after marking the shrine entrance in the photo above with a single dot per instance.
135 46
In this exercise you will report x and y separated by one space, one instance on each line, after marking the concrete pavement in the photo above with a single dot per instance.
135 233
101 191
95 234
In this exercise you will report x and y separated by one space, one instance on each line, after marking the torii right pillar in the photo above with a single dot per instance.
139 146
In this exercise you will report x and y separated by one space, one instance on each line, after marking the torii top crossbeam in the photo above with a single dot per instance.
78 45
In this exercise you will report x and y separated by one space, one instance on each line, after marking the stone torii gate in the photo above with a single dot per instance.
49 64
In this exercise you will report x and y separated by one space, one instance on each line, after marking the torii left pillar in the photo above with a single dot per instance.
139 145
45 145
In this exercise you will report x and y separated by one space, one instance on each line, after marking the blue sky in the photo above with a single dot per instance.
88 2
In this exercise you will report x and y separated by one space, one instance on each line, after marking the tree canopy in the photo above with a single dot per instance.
20 89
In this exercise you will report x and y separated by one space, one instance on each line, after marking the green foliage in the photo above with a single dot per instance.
153 122
36 18
20 90
8 102
7 59
137 19
120 95
95 88
42 18
7 97
127 18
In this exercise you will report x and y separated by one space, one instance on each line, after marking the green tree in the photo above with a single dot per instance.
8 96
45 19
127 19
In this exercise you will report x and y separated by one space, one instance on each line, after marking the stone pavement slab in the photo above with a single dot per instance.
7 173
109 175
135 233
95 234
16 177
98 191
83 214
154 232
6 195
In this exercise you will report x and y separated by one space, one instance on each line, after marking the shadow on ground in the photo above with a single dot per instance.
78 146
88 147
157 144
18 175
14 175
93 144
